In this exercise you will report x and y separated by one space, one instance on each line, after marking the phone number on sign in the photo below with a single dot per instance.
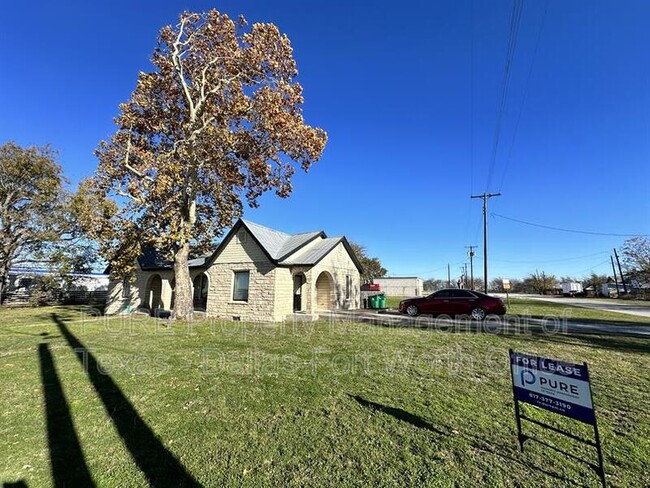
550 401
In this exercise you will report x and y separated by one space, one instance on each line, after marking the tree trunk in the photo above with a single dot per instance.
183 306
4 274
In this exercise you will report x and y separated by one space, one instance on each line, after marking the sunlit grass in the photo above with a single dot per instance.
311 404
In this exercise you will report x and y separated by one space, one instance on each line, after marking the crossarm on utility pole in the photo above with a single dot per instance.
485 197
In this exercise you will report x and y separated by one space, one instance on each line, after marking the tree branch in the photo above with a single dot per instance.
128 195
178 63
137 173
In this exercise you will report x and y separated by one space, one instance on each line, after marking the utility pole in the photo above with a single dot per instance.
615 278
485 197
448 275
465 275
620 273
471 254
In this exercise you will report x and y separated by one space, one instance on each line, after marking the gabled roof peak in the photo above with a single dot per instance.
277 244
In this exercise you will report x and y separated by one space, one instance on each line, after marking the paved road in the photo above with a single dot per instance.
610 305
512 324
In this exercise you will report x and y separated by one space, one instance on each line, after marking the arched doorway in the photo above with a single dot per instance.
299 281
154 293
201 286
324 291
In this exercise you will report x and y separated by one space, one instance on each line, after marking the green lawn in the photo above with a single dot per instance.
537 308
232 404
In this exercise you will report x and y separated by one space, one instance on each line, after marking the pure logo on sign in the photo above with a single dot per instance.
529 378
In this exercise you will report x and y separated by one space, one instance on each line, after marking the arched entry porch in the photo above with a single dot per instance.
154 293
200 298
324 291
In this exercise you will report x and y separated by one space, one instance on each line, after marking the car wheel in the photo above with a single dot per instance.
478 313
412 310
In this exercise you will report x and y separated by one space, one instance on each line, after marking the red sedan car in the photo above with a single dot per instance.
454 301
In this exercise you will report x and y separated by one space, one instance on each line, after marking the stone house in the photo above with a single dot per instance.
254 274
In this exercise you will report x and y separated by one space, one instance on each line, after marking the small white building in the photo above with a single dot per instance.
401 286
24 278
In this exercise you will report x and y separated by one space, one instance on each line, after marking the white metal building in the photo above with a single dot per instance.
401 286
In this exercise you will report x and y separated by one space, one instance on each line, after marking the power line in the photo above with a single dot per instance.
569 230
517 8
576 258
591 268
525 96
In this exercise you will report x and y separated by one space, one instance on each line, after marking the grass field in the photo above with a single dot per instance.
324 404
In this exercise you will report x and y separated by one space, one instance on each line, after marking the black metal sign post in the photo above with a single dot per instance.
559 387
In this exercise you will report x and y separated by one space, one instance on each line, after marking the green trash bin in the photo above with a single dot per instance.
381 301
374 301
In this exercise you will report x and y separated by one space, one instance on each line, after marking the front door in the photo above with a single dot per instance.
438 303
297 293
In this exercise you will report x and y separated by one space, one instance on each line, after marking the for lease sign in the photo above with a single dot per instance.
553 385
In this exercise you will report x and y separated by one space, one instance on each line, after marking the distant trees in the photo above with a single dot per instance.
38 221
539 282
636 257
478 283
595 280
433 284
496 285
372 267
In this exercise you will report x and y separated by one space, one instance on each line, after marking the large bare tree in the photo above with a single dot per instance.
217 123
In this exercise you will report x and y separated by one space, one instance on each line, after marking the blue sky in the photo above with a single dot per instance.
409 94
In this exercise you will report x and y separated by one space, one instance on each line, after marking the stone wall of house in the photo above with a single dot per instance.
242 253
271 288
338 264
139 296
283 294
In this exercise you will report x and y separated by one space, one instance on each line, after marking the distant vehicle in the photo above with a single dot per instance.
454 301
572 289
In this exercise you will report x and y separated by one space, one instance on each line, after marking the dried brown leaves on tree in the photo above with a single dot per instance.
217 123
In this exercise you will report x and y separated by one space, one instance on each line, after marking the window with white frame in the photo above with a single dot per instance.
240 286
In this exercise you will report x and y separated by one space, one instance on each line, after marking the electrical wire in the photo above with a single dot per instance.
576 258
515 20
525 96
591 268
610 234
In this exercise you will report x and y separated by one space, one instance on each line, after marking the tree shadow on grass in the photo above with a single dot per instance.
475 441
398 413
617 343
14 484
159 465
625 341
68 463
